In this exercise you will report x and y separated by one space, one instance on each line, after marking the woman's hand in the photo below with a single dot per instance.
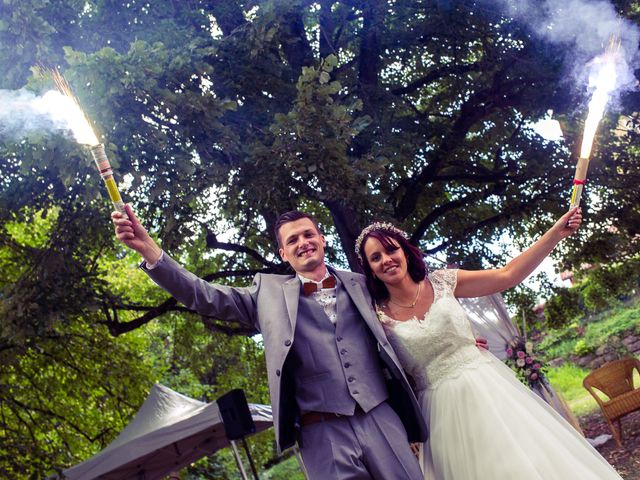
568 224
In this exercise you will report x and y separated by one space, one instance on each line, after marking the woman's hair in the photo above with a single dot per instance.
386 236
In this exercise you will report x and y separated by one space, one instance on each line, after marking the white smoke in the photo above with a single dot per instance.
22 112
585 27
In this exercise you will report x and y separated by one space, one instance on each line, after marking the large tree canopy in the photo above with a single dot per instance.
219 115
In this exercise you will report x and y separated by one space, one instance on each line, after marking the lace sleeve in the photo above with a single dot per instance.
445 280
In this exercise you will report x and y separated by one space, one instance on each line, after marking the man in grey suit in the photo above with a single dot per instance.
336 386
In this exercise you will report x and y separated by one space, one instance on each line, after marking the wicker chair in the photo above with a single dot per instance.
615 380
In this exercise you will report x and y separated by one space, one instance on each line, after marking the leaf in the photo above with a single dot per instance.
324 77
330 62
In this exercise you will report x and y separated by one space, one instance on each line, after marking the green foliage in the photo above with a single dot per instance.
563 307
592 332
65 396
599 288
581 347
286 470
610 283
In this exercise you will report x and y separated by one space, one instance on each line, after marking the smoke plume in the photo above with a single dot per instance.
585 27
22 112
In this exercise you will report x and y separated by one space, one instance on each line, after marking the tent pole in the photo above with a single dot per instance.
236 454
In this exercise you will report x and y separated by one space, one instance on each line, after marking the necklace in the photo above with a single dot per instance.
415 300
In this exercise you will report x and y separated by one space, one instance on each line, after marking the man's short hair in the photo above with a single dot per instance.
291 216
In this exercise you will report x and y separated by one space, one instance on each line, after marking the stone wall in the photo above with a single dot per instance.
617 346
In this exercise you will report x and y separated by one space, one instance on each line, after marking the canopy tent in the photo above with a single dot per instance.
169 432
490 319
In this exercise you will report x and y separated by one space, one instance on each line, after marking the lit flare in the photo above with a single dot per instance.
604 80
65 103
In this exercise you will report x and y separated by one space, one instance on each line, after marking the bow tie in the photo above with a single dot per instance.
309 287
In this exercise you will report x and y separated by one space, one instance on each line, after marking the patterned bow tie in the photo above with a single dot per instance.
309 287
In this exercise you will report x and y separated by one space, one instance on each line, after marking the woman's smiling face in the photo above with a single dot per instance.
387 264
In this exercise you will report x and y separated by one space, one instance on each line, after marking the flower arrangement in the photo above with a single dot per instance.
529 369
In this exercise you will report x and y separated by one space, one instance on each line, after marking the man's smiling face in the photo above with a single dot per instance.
303 247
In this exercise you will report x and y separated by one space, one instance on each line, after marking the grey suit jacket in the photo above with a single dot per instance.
271 306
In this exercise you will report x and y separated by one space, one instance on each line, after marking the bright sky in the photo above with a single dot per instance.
550 130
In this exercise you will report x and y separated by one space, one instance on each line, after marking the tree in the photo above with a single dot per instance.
222 114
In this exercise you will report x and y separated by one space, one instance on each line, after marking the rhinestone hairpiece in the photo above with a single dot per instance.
389 227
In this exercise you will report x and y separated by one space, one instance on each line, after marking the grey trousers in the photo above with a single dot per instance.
370 445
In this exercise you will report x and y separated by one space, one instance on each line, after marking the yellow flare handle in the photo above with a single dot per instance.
104 167
576 194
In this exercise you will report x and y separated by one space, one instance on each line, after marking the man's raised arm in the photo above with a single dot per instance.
209 299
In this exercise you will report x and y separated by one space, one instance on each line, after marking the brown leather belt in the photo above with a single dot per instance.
310 418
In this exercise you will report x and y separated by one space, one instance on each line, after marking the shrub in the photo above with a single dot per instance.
563 307
610 284
582 348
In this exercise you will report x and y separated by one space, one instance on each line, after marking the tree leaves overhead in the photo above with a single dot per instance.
418 113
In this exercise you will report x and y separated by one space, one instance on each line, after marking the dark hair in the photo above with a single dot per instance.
415 264
291 216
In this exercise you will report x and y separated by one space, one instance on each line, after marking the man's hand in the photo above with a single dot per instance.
482 343
130 232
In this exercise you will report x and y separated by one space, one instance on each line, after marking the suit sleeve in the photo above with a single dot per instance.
225 303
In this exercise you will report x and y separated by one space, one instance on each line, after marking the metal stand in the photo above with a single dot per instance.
236 454
253 467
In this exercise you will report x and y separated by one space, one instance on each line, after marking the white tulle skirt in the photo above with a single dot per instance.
484 424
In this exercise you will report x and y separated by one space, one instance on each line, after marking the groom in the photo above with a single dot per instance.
336 386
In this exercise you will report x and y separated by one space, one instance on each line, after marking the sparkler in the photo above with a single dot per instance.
605 82
84 134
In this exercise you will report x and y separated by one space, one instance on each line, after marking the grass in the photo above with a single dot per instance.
597 330
285 470
567 381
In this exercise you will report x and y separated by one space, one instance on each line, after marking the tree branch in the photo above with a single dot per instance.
212 242
117 328
348 229
434 75
228 15
478 106
519 208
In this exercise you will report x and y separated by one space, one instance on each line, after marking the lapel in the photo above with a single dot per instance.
291 291
362 302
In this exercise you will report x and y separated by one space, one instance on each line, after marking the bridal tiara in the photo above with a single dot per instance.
389 227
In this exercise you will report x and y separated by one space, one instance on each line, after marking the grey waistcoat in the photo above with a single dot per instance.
334 367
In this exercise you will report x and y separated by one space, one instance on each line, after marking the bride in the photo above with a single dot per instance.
484 424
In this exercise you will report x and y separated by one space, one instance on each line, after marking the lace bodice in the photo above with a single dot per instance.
439 345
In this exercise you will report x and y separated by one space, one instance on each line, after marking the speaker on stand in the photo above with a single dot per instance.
238 423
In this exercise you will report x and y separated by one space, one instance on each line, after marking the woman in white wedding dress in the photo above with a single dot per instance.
484 424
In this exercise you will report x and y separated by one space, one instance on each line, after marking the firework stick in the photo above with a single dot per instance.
579 181
106 172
